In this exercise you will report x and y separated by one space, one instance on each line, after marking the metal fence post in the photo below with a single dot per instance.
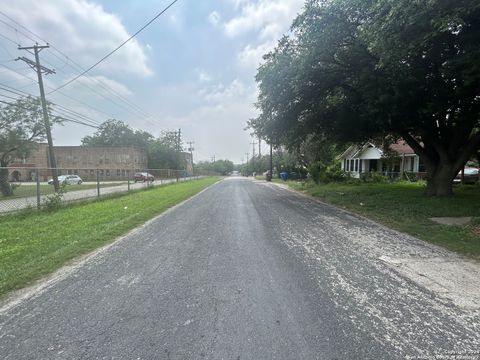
98 184
37 178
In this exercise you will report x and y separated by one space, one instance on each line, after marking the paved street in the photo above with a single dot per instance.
248 270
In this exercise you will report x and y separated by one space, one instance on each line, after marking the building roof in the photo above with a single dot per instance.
401 147
356 151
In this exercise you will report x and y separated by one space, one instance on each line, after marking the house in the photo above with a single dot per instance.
399 160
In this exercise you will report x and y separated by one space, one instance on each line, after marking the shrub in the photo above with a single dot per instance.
54 201
373 177
320 172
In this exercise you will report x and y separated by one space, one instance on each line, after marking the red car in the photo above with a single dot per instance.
143 176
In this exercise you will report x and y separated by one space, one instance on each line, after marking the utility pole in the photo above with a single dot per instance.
247 162
270 176
253 156
190 149
259 147
178 152
41 69
213 158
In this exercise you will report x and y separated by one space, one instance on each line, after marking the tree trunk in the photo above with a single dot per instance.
5 187
440 180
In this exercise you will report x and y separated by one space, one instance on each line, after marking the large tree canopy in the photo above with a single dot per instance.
117 133
162 152
21 126
358 69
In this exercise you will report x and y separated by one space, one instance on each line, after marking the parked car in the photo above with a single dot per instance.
470 176
67 179
143 176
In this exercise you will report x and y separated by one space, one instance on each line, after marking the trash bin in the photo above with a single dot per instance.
284 176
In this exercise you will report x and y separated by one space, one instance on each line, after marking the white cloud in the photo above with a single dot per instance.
214 18
81 29
203 76
262 14
100 84
217 125
268 19
251 56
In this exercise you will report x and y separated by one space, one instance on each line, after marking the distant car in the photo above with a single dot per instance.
143 176
67 179
470 176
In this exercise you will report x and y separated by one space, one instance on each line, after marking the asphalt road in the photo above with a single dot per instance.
247 270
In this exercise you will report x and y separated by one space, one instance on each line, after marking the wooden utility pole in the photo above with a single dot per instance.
190 149
270 176
247 161
178 152
41 69
253 155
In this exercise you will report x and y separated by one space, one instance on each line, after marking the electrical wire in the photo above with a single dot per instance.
117 48
136 109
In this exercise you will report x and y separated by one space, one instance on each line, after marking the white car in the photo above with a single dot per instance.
67 179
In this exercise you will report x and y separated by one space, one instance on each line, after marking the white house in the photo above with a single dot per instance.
359 159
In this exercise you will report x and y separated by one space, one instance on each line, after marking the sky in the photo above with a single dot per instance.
192 69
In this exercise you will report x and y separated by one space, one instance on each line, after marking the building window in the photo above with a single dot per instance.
123 172
75 171
352 165
412 164
108 172
356 164
119 172
360 165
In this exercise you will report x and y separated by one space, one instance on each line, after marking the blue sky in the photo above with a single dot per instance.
192 69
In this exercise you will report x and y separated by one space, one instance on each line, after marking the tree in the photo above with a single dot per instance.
116 133
21 126
222 167
353 70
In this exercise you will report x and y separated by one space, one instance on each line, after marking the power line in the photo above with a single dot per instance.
117 48
66 110
134 109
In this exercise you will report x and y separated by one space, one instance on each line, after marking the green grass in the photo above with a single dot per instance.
405 207
31 190
33 244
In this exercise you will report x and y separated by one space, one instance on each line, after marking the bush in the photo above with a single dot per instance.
54 201
321 173
373 177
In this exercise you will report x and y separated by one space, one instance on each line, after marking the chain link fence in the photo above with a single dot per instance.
30 187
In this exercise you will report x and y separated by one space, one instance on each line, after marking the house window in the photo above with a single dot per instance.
360 165
123 172
412 164
352 164
108 172
356 164
119 172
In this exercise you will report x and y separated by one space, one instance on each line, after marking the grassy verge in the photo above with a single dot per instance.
405 207
37 243
31 190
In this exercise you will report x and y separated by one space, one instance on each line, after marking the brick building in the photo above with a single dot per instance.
113 163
